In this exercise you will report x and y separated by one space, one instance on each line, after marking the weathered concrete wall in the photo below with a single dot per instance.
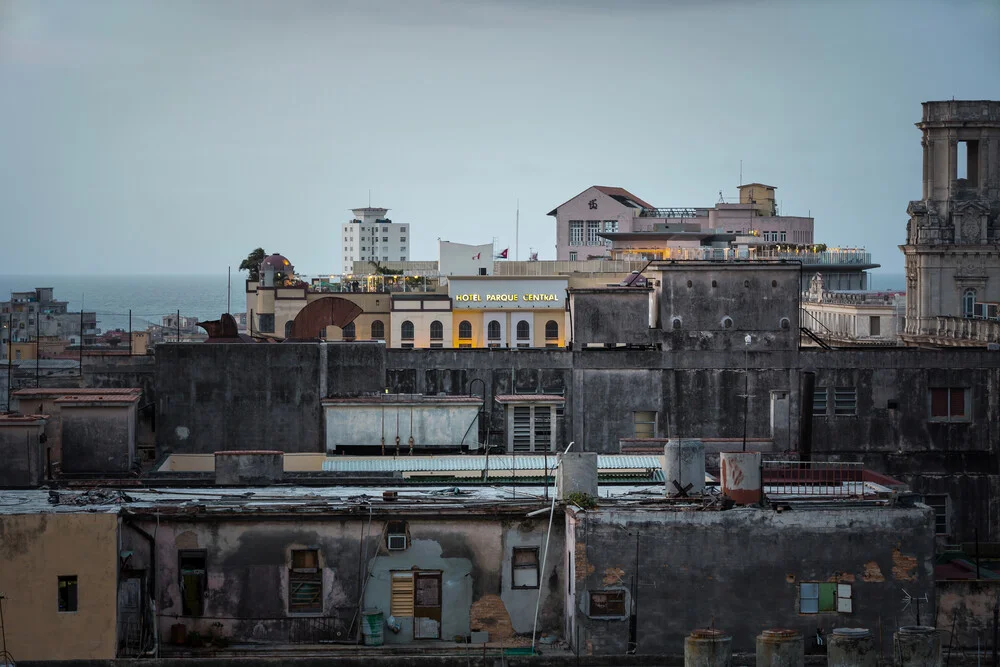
248 568
213 397
442 425
613 316
97 439
37 549
892 431
740 570
22 454
967 606
118 372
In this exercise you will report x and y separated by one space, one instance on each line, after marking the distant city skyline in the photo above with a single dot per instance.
150 137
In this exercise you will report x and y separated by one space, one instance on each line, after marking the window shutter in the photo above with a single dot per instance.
939 402
957 402
401 600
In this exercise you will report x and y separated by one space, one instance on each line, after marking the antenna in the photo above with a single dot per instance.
741 172
369 197
907 599
517 232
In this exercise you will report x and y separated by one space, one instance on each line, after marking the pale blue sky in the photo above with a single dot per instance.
161 137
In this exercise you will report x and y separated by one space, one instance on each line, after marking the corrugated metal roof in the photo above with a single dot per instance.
605 462
71 391
530 398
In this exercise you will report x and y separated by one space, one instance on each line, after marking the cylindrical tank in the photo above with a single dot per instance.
371 626
740 476
708 647
780 648
851 647
684 463
917 646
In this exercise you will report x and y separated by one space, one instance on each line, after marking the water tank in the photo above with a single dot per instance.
917 646
851 647
740 476
683 464
780 648
708 647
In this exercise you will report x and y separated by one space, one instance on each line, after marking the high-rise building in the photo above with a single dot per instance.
952 262
372 237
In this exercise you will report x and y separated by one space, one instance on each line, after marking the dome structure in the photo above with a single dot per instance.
272 265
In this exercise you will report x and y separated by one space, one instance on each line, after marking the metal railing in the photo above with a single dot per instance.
813 478
671 213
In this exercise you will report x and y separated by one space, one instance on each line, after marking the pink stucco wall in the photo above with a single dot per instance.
579 208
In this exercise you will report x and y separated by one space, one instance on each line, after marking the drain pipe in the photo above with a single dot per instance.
545 555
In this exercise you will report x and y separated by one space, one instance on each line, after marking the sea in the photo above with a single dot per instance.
150 297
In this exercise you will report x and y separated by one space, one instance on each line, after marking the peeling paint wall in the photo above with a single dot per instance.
248 563
37 549
968 607
741 570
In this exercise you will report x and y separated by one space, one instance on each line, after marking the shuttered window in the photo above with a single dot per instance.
401 597
543 428
524 565
845 401
522 428
949 404
819 401
644 424
305 582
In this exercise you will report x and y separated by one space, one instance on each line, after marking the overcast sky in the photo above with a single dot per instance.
176 136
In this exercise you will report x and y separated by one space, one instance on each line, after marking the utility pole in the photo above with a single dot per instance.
746 387
38 349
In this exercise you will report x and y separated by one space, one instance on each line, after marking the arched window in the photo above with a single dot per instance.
288 328
349 332
493 330
523 330
378 330
551 330
437 330
727 323
969 303
465 329
406 330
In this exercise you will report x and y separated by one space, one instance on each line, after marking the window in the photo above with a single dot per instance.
350 331
969 303
401 594
845 401
821 598
819 401
593 229
532 428
67 593
402 239
610 226
406 330
551 330
524 568
191 565
607 603
784 236
305 582
385 239
437 330
576 232
874 325
572 257
493 330
644 424
949 404
465 329
939 503
378 330
523 330
727 323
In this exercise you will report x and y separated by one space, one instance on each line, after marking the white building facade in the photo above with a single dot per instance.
372 237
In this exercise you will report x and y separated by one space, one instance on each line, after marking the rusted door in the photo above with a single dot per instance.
427 605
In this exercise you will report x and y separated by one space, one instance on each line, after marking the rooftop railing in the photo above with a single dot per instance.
968 329
671 213
813 478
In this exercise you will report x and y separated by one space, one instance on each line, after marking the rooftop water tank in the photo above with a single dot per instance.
683 465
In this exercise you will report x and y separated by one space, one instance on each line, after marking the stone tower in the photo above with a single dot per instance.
952 249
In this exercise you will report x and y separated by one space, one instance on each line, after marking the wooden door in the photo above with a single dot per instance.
427 605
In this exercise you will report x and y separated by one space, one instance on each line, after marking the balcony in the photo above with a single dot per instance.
968 329
671 213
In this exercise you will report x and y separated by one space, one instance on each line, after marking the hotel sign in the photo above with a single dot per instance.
507 294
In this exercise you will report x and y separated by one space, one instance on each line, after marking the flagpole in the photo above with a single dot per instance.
517 231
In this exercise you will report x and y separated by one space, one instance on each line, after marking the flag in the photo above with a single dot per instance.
476 256
503 254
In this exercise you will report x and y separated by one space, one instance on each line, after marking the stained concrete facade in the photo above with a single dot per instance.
98 432
36 549
22 450
740 571
393 422
952 261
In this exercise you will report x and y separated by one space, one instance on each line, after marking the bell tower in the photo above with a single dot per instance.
952 250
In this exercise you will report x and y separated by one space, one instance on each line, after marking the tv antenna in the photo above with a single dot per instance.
907 599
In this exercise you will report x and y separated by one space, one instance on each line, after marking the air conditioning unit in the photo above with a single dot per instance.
397 542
